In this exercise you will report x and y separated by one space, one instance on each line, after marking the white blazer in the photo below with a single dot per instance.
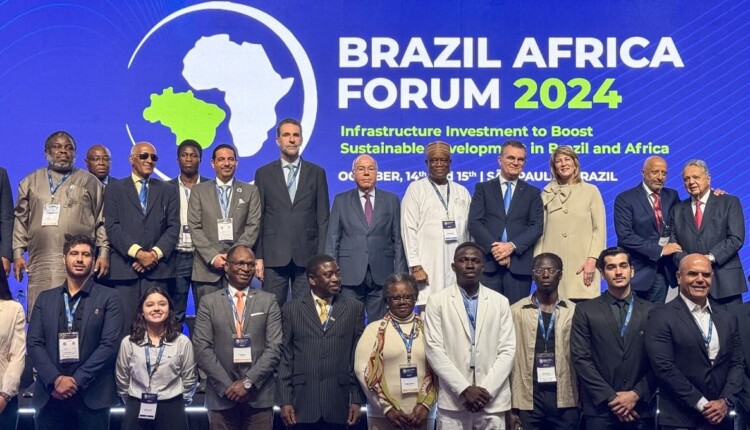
449 347
12 346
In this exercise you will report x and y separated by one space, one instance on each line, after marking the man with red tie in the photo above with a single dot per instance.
713 226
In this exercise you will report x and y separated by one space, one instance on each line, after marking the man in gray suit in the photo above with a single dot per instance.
221 213
237 341
364 217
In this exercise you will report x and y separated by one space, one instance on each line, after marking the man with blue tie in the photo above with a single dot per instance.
506 219
364 236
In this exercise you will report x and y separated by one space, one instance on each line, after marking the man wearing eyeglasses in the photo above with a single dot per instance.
53 201
142 215
222 213
506 217
99 163
364 236
609 353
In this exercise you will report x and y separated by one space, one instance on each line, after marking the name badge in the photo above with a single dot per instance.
242 351
51 214
186 234
409 379
67 344
148 406
224 227
545 368
450 233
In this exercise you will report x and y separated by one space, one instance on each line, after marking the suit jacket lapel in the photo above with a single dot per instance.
689 321
279 176
517 192
635 322
236 194
687 216
458 305
337 311
482 309
376 210
249 308
87 311
227 308
606 311
153 190
132 194
644 199
310 308
357 208
709 209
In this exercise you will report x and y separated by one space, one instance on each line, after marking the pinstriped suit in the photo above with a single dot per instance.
316 374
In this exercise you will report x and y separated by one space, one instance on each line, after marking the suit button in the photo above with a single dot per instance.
565 235
623 380
565 211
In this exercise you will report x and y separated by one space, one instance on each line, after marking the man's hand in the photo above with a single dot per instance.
623 403
19 266
6 267
501 250
715 411
418 415
505 262
671 248
515 420
236 392
3 404
587 268
355 411
719 192
420 275
101 267
259 272
475 398
219 261
147 259
65 387
287 414
630 417
398 419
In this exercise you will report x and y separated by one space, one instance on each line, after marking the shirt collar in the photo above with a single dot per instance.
612 299
692 306
285 163
703 199
528 302
84 291
465 295
503 181
362 193
316 298
179 181
233 291
230 182
137 178
648 190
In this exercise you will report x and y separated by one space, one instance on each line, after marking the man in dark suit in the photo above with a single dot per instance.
72 342
609 356
694 349
294 201
6 221
643 225
189 154
317 386
240 390
364 236
742 313
713 226
506 218
99 163
142 216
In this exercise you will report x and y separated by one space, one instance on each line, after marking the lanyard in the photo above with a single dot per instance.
224 199
472 319
295 172
625 324
440 196
53 188
546 333
68 312
149 371
237 319
706 338
407 341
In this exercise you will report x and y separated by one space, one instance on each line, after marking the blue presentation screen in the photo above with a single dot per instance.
617 80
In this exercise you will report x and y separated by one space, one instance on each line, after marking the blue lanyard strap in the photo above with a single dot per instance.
53 188
235 313
408 341
707 338
224 198
625 324
546 332
472 318
150 371
440 196
70 312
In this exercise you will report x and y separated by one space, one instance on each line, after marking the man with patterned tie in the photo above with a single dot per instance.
364 236
506 219
643 224
713 226
142 216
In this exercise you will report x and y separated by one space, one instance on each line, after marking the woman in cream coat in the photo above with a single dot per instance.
12 355
574 226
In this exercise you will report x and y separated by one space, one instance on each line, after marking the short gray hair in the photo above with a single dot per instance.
697 163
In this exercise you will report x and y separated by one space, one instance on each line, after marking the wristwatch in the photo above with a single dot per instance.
5 396
247 383
730 404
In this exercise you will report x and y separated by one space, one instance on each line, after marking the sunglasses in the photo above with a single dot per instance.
145 155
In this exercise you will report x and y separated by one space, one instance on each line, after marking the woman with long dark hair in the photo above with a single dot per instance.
12 355
155 367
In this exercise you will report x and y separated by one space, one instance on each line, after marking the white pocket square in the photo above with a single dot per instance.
256 313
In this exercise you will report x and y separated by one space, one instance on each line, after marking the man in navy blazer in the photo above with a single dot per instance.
713 226
6 221
694 349
507 238
294 204
144 224
75 385
643 225
364 236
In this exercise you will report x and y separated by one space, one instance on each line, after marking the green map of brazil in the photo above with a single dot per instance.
185 115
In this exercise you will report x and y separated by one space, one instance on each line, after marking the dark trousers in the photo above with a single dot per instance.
546 415
70 414
657 293
277 281
612 423
320 425
241 417
9 417
513 287
370 294
170 414
130 293
181 287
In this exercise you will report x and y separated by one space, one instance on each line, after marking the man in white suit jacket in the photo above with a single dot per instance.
470 346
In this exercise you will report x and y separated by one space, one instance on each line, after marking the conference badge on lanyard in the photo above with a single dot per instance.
51 214
545 368
148 406
224 228
409 379
68 342
242 351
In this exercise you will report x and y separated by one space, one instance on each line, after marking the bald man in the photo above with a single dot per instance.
434 220
643 225
142 214
694 349
99 162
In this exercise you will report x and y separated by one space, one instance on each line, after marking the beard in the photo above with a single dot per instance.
60 166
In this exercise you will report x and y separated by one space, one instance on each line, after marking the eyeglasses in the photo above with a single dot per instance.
549 270
404 298
145 155
365 169
242 264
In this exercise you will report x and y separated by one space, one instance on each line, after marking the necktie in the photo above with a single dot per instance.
368 208
291 185
506 204
621 305
323 310
240 309
657 210
143 195
698 213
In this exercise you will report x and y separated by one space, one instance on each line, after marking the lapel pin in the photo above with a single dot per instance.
96 311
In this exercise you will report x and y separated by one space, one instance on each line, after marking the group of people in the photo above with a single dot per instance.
455 334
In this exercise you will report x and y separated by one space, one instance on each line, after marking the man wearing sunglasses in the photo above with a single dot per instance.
143 215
